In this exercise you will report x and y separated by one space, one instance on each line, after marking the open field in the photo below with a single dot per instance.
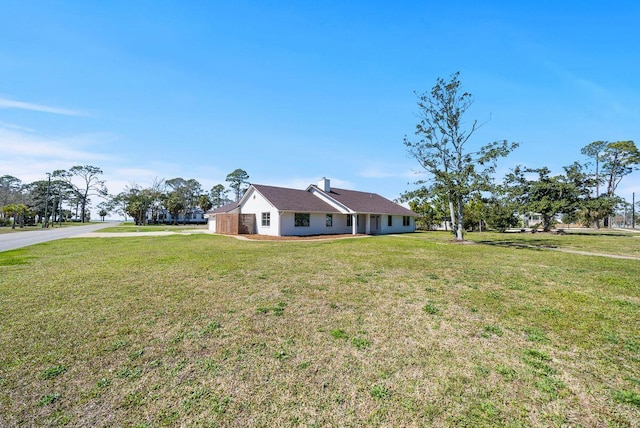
202 330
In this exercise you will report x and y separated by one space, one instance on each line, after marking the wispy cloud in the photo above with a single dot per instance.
21 105
16 144
15 127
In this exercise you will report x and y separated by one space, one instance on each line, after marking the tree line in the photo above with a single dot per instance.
66 196
44 201
462 190
179 197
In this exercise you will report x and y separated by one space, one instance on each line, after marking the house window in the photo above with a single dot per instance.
266 219
329 220
406 220
349 220
389 221
301 219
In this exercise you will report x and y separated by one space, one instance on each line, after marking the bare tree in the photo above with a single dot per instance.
91 184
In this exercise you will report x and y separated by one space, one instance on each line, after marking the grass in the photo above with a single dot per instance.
412 330
31 228
130 227
591 240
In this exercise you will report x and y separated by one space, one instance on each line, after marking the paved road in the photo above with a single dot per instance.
11 241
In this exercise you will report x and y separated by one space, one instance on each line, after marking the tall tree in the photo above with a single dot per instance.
183 196
613 161
594 150
620 159
218 195
204 202
546 195
118 204
90 184
37 196
442 148
10 190
431 208
136 201
238 181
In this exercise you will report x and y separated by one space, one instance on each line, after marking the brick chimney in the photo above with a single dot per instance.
324 185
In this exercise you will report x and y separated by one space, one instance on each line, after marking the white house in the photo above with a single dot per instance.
163 216
318 210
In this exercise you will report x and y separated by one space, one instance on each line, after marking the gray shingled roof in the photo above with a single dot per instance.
285 199
224 209
366 202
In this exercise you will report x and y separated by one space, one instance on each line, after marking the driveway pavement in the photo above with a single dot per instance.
12 241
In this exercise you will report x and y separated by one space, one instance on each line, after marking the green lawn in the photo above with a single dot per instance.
152 228
597 241
36 227
202 330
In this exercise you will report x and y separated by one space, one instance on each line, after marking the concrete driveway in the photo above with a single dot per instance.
12 241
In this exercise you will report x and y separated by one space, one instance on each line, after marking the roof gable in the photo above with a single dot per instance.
365 202
224 209
285 199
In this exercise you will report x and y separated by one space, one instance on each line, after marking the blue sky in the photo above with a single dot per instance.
294 91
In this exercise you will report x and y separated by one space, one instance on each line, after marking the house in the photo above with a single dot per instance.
317 210
163 216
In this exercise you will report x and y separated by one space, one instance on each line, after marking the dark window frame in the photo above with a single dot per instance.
301 219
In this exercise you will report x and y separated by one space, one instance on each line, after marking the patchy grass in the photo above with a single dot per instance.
204 330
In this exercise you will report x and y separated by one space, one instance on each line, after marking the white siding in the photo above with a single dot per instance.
211 223
396 225
255 203
317 225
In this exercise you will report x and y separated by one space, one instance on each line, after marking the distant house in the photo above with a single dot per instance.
317 210
163 216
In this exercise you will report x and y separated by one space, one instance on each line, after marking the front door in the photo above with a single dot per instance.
375 224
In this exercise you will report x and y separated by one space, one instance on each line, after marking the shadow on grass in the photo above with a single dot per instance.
613 233
531 244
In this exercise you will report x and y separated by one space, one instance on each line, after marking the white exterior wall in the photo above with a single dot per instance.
317 225
396 224
211 223
255 203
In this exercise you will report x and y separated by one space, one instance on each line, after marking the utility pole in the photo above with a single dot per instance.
633 210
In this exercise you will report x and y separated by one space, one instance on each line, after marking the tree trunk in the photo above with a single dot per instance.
460 222
453 216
